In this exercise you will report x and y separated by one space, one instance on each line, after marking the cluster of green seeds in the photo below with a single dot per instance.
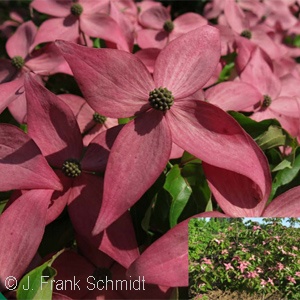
18 62
267 101
161 99
76 9
71 168
168 26
99 119
246 34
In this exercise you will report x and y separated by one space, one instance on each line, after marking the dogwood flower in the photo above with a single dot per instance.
159 29
263 282
243 265
291 279
252 274
206 261
280 266
164 111
228 266
45 61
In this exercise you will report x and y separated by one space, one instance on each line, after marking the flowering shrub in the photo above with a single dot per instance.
120 120
257 259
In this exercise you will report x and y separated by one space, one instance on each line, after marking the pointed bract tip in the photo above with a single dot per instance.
102 223
61 45
98 228
58 43
64 46
57 186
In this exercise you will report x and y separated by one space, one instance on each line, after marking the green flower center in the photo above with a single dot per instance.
99 119
266 102
246 34
263 18
71 168
76 9
102 274
18 62
168 26
161 99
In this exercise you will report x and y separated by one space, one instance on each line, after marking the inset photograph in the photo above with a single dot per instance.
244 258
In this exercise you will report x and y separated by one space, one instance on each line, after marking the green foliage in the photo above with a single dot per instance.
200 199
37 283
201 232
273 137
180 192
226 72
287 177
269 135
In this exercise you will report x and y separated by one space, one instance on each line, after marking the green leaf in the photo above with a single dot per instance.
144 213
272 138
206 281
229 58
180 191
287 175
200 198
96 43
4 197
286 163
274 157
36 284
161 212
2 205
255 129
24 127
209 205
146 220
225 73
189 158
297 41
267 134
99 43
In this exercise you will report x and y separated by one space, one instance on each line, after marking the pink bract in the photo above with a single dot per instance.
22 227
